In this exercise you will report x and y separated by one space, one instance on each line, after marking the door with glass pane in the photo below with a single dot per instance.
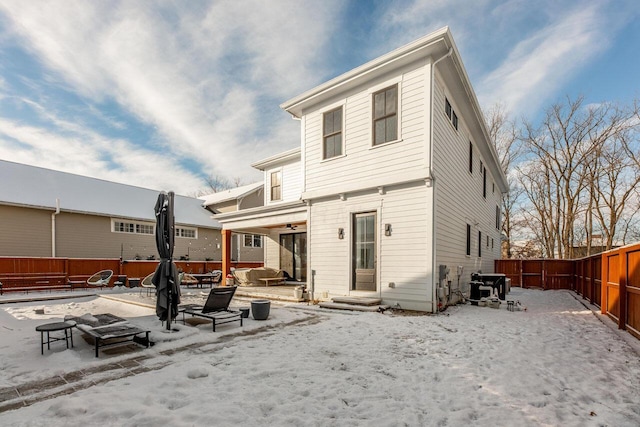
364 252
293 255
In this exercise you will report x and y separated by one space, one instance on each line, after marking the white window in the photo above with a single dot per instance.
276 186
121 226
385 115
252 241
186 232
451 114
332 133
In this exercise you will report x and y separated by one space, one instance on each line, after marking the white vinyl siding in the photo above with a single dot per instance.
402 258
459 198
290 183
362 161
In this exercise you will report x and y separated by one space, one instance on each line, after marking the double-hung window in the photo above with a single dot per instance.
332 133
276 186
385 115
451 114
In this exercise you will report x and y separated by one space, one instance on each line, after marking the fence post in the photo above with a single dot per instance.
622 299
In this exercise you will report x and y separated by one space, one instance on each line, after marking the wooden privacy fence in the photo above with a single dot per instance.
610 280
538 273
621 287
27 273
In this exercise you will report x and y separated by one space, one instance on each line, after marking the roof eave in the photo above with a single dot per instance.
416 49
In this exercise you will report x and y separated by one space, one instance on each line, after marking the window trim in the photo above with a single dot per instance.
397 81
253 241
451 114
183 228
484 183
271 173
325 111
135 226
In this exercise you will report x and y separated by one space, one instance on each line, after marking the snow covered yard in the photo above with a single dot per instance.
555 364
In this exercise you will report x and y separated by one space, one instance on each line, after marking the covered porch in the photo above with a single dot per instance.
283 228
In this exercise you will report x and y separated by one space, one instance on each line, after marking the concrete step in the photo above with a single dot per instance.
357 300
353 307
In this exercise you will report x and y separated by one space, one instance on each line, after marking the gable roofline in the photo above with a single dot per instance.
231 194
284 157
434 46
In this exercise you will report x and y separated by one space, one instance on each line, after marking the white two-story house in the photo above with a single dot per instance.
395 190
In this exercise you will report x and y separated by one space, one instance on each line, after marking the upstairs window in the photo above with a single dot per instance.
276 186
451 114
484 183
332 133
470 157
385 115
497 217
479 244
468 240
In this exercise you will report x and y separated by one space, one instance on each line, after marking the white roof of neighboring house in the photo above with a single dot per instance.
30 186
232 194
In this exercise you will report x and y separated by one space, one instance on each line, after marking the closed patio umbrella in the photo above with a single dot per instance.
166 276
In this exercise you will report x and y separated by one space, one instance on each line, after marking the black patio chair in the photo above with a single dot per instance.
216 308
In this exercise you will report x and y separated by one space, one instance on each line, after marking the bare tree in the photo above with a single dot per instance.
580 173
504 133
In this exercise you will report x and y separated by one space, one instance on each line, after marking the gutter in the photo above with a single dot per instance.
432 179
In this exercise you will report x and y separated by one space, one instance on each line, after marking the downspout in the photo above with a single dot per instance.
53 228
310 273
432 182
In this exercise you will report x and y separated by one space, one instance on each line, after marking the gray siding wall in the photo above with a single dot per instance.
459 199
25 231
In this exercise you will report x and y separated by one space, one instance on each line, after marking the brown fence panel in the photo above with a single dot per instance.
27 265
558 274
511 268
610 284
596 267
533 273
632 289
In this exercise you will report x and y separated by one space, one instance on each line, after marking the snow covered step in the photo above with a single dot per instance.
353 307
357 301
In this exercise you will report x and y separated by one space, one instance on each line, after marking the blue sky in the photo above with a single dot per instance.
162 94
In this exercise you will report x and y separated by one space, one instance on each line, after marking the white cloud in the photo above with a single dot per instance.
538 65
199 73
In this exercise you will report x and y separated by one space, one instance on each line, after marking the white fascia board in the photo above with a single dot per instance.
285 157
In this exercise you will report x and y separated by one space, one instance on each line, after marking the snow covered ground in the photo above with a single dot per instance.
556 364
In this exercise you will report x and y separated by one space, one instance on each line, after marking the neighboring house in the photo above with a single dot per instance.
48 213
244 247
395 190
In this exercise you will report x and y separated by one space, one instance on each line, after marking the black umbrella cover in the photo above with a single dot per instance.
166 276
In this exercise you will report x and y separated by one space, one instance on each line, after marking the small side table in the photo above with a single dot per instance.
54 327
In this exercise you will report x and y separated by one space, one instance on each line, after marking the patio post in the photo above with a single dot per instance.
226 253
